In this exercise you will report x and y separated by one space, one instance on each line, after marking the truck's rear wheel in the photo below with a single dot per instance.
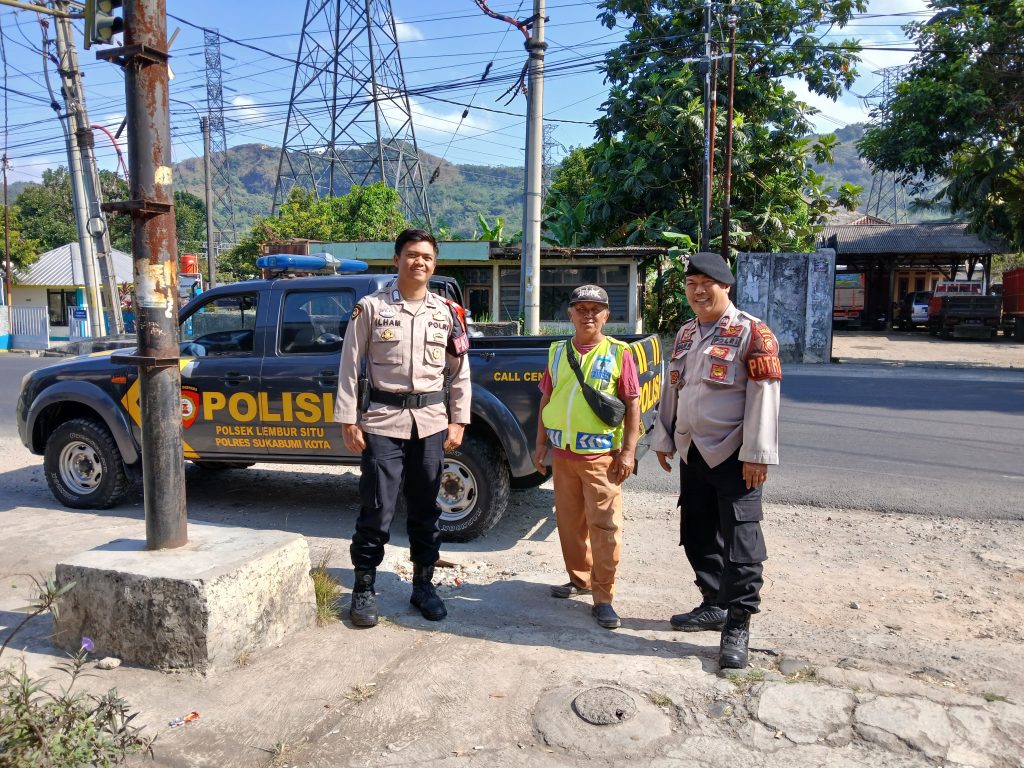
83 467
474 489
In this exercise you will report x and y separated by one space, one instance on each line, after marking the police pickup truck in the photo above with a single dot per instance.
259 373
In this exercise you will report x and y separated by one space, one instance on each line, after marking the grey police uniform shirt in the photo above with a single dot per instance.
722 392
406 351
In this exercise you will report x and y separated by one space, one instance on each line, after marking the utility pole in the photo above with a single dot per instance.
530 257
727 183
705 214
211 255
155 256
93 234
7 252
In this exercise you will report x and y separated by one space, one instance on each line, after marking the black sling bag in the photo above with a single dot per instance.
607 408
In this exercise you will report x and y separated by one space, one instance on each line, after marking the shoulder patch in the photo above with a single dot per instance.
763 359
357 310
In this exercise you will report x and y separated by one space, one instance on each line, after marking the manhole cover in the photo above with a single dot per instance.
604 706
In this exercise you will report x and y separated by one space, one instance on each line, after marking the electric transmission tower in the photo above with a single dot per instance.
349 120
548 163
887 198
223 205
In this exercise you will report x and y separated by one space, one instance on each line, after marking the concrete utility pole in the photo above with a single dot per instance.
155 254
727 184
705 214
211 253
93 234
530 258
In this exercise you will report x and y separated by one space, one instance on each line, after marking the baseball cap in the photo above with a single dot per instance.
594 293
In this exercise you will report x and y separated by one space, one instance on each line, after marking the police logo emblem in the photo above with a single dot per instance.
719 372
732 330
386 312
435 353
674 378
438 336
357 310
768 342
387 334
396 295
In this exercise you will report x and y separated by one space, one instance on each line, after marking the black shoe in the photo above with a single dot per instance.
363 610
606 616
568 590
733 652
424 596
705 617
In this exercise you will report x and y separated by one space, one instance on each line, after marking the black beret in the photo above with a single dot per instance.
712 265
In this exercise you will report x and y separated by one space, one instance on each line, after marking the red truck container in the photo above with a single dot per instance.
848 300
1013 303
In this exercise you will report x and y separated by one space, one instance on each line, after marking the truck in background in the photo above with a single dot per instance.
848 300
959 309
1013 303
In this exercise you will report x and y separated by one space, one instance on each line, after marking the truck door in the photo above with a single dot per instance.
300 373
220 378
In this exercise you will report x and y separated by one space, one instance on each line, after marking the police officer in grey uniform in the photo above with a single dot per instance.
720 411
404 333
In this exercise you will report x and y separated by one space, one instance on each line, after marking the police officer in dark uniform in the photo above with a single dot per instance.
406 339
720 410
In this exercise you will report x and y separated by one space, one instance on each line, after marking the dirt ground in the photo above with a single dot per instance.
918 348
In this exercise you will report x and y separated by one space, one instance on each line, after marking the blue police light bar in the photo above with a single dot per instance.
290 261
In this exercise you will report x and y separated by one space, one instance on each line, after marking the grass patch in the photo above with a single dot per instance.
660 699
805 675
745 679
362 692
990 697
327 591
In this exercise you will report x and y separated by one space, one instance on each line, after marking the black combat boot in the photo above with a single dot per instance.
424 596
706 616
363 610
732 653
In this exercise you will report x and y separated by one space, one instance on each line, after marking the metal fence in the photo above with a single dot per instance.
30 328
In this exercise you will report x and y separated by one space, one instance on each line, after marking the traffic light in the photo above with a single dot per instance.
102 21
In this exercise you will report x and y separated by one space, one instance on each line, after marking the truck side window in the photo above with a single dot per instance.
314 322
222 327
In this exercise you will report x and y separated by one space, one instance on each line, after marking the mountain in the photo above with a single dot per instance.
457 196
459 193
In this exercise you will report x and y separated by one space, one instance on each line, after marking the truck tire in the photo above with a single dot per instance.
528 481
83 467
474 489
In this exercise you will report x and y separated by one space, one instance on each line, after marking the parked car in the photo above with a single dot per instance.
913 310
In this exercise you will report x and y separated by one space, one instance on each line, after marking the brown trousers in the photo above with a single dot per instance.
588 509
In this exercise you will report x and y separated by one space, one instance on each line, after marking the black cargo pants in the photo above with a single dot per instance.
389 464
721 530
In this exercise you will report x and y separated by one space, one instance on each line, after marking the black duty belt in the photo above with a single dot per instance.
411 400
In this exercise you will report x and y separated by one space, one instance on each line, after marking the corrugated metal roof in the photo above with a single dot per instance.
609 252
946 239
63 266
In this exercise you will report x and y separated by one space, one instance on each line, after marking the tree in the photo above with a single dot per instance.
189 222
24 250
48 216
646 163
365 213
958 115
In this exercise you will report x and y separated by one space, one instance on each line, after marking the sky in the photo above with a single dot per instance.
446 45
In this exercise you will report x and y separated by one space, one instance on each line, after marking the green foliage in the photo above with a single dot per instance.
24 250
666 307
69 728
958 116
645 166
365 213
327 590
189 222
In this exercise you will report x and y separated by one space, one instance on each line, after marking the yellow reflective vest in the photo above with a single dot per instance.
568 420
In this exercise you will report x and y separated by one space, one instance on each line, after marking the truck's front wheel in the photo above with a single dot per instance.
83 466
474 489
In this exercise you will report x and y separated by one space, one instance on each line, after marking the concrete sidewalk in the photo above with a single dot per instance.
900 682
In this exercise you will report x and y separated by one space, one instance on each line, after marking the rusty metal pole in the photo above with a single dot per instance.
155 256
727 182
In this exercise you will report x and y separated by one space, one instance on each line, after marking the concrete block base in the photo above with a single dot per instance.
198 607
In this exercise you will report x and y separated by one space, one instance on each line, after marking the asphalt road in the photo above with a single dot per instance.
913 440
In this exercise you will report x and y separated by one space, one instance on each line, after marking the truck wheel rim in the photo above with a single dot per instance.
458 495
81 469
